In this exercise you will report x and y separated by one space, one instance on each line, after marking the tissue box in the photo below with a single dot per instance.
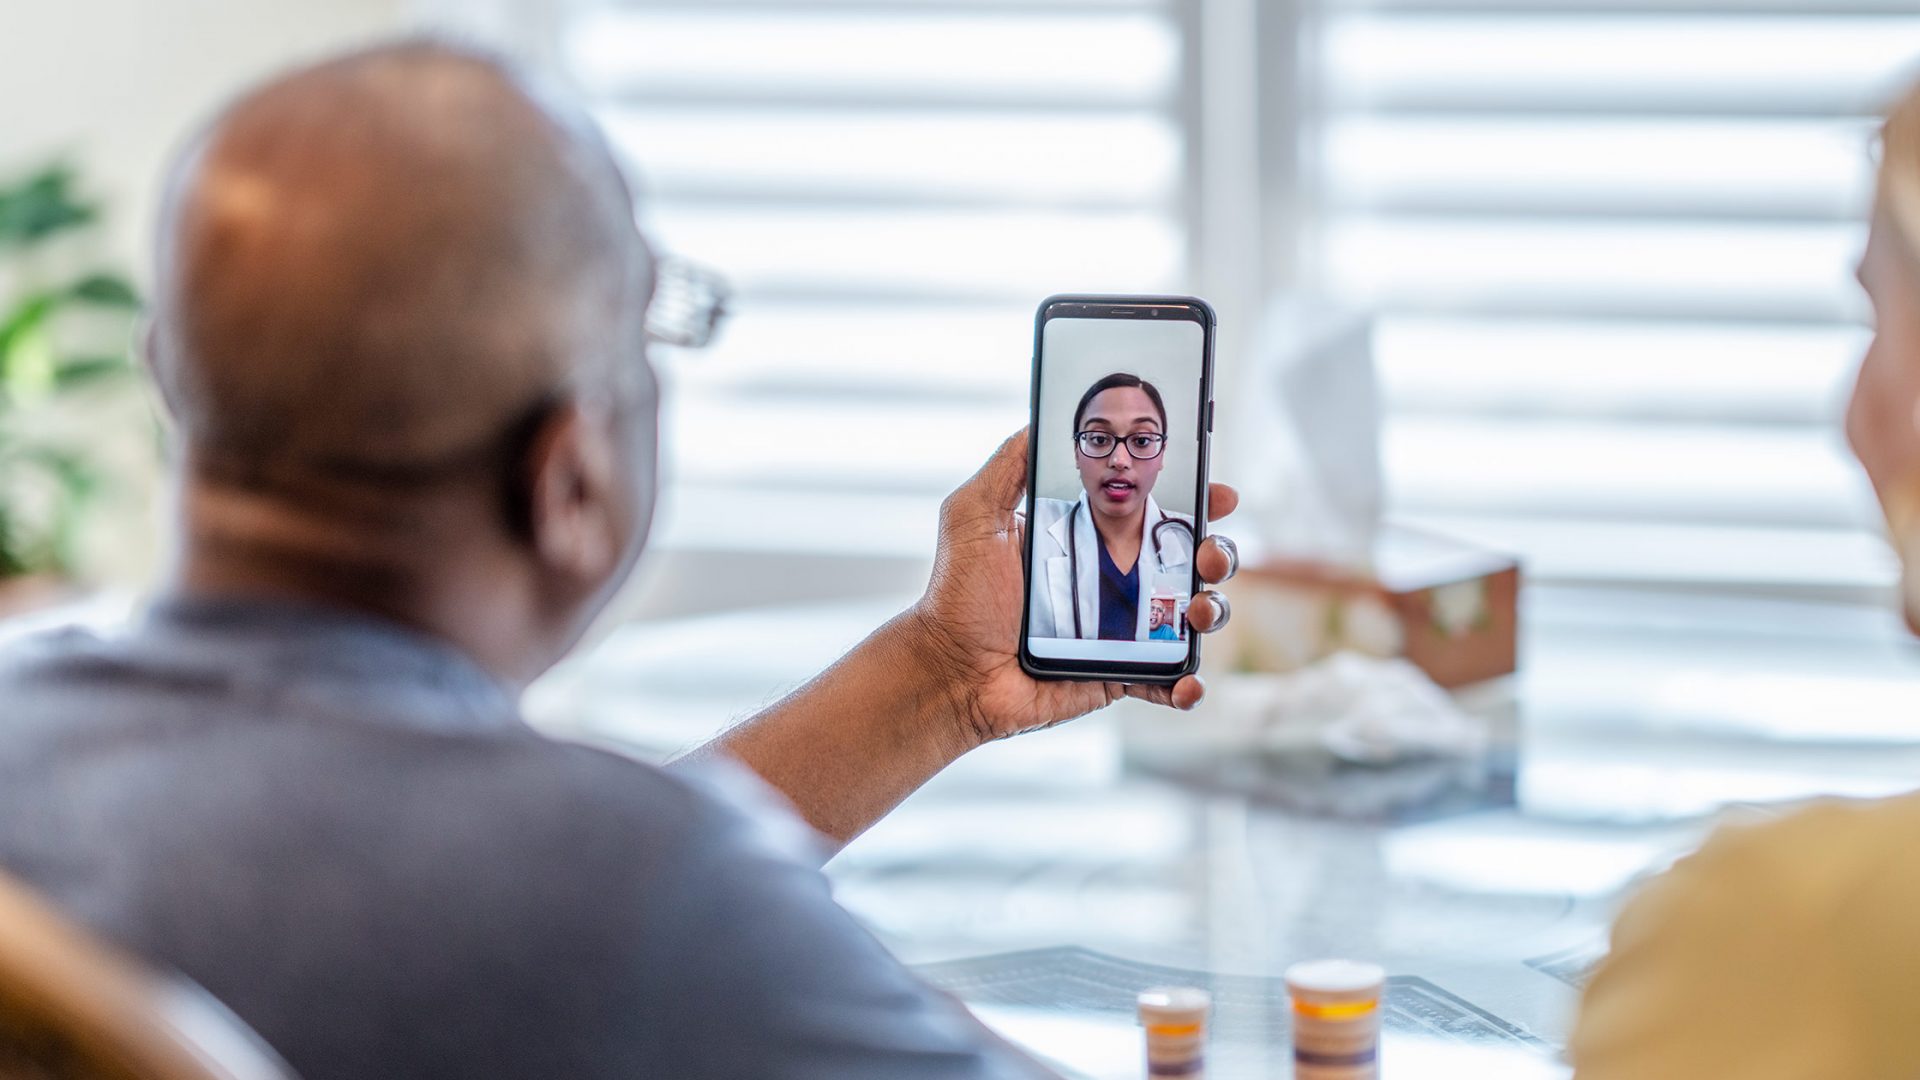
1450 607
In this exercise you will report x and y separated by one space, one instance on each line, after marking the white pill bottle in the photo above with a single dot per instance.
1336 1019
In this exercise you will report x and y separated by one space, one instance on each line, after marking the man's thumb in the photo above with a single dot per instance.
1002 481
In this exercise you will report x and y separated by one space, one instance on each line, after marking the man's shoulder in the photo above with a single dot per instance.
1798 867
1817 901
1810 858
54 671
365 786
28 652
712 809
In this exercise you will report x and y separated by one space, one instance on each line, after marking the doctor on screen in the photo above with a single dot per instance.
1112 564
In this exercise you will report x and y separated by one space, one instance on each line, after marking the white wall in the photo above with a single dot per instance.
113 85
1078 352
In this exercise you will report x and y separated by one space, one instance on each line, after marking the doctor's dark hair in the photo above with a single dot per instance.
1119 379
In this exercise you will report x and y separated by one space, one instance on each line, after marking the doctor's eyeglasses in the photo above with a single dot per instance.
1141 445
689 302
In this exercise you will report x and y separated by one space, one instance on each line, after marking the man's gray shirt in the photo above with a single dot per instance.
346 833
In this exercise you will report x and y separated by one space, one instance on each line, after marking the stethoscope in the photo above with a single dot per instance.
1159 552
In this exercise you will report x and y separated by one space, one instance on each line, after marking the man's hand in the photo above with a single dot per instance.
970 616
942 677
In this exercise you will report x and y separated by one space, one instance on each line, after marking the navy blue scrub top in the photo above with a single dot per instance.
1119 598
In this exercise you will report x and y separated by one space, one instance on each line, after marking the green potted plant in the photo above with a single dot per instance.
66 375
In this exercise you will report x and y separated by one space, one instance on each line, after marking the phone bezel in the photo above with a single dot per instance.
1144 308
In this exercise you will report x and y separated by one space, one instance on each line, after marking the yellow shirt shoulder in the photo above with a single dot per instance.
1788 950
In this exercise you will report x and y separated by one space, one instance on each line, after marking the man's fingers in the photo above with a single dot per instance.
1222 499
1182 695
1188 692
1208 612
1002 481
1219 559
1159 695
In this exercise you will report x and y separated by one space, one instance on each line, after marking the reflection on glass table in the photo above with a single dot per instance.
1639 720
1076 1008
1094 1047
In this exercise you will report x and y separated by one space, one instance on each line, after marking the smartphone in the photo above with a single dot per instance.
1122 417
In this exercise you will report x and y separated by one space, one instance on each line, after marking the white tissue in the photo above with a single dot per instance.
1348 707
1367 711
1307 446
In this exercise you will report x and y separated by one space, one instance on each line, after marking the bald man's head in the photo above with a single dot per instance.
399 316
380 263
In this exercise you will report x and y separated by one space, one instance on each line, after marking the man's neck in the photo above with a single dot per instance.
1121 537
238 543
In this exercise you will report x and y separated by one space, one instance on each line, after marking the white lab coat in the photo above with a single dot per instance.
1053 567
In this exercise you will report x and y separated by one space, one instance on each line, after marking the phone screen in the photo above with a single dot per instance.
1116 502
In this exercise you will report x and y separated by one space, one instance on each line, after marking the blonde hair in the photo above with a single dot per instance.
1899 180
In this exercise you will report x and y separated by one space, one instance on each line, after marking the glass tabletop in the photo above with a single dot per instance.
1065 869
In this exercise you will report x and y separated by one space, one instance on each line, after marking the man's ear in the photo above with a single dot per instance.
569 503
147 349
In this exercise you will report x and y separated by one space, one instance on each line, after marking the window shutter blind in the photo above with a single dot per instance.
1610 245
891 187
